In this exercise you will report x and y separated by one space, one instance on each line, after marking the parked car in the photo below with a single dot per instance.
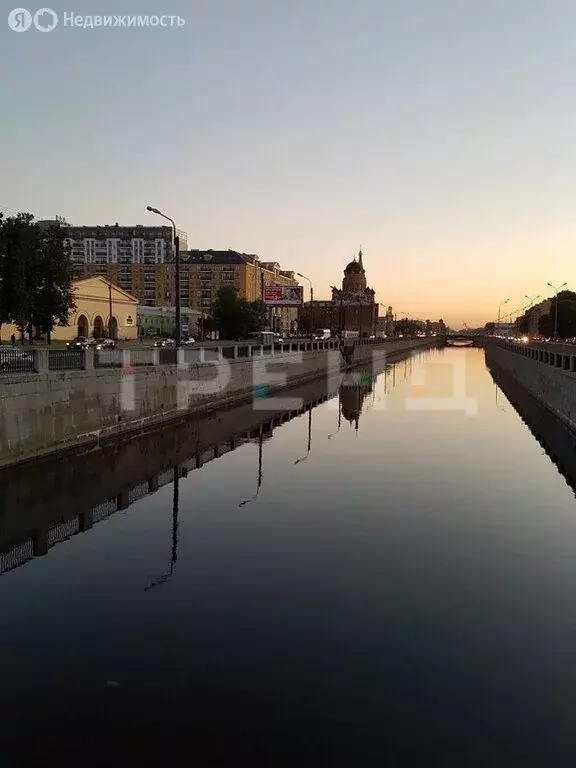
80 342
105 344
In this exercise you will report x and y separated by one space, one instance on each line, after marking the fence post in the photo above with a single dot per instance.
41 361
88 361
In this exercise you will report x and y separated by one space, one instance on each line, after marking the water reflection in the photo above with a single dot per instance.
557 442
355 388
259 481
174 553
417 571
309 446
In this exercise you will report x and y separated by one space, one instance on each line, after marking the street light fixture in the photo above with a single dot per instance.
176 270
311 302
557 289
500 309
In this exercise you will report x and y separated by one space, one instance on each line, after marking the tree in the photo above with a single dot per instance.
53 297
17 235
524 323
407 327
236 317
36 275
566 316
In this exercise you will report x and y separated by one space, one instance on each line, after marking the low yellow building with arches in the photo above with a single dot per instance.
96 299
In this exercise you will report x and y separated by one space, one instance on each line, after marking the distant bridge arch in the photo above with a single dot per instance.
463 340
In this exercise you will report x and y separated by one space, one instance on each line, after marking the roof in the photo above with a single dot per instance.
215 257
353 268
79 284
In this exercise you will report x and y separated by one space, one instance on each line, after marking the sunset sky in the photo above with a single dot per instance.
438 134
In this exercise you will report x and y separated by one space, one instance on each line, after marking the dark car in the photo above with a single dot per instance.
80 342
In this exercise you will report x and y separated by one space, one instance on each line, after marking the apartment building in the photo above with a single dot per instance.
140 259
132 257
203 273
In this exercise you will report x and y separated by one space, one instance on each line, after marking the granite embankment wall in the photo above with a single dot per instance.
48 411
545 371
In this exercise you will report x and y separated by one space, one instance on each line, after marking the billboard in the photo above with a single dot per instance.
283 295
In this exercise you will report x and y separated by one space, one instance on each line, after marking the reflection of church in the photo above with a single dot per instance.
352 400
352 308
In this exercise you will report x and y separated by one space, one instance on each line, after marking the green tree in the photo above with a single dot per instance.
53 296
36 275
17 243
235 317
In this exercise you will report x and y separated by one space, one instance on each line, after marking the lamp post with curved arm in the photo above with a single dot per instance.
311 302
500 309
176 270
557 289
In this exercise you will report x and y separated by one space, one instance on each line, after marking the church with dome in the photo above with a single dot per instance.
353 307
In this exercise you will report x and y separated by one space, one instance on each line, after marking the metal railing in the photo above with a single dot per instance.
14 360
17 360
65 359
168 356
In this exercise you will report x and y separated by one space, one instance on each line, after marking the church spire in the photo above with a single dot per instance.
360 257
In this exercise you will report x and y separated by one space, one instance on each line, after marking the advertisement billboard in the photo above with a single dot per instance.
283 295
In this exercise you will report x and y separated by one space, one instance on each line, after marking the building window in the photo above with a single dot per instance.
137 250
89 249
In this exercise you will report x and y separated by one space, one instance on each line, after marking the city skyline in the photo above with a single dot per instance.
439 138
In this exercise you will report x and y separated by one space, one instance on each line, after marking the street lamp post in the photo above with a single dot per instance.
311 302
499 311
176 270
557 289
110 336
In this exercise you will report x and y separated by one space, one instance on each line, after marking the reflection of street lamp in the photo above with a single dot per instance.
339 418
303 458
311 302
260 444
557 289
174 557
176 270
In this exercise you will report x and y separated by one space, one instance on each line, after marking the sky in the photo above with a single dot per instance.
440 135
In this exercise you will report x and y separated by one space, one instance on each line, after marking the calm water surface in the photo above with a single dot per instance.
391 584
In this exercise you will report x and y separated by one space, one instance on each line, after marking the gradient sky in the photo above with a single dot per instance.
439 134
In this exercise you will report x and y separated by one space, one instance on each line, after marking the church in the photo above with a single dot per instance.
352 307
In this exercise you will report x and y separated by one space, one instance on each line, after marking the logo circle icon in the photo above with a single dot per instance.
19 19
45 20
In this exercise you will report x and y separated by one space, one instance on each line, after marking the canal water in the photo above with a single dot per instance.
387 578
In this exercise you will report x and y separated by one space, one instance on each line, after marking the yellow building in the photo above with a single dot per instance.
93 298
202 274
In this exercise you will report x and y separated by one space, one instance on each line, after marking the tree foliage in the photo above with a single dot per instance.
236 317
36 275
407 327
566 301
